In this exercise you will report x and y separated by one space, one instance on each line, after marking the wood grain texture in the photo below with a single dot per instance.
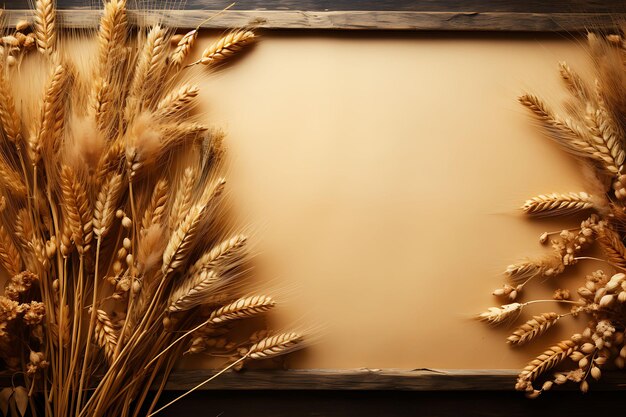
512 6
367 379
456 16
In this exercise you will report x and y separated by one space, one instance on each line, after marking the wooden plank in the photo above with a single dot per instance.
511 6
422 379
351 20
368 379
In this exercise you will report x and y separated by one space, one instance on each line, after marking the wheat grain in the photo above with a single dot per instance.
557 204
275 345
226 46
242 309
44 26
533 328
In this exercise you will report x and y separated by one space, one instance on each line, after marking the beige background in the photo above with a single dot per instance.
382 177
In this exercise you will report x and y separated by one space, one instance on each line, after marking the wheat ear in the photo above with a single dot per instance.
275 345
221 257
182 49
547 360
242 309
193 291
9 255
53 111
182 200
12 180
533 328
77 209
573 81
113 31
177 103
149 66
106 204
105 334
156 209
179 244
8 116
557 204
226 46
612 246
604 139
44 26
497 315
565 132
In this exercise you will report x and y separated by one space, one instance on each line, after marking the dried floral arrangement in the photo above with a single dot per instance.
592 129
112 221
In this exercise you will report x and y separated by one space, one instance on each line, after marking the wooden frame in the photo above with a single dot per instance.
423 379
445 15
449 15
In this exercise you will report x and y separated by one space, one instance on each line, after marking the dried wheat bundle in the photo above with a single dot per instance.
593 130
113 231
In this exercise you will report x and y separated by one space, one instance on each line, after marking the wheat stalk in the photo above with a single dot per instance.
242 309
612 246
53 112
226 47
557 204
533 328
497 315
547 360
9 255
221 257
150 66
155 211
179 243
176 103
44 26
183 199
105 334
8 115
112 32
106 204
275 345
182 49
564 131
76 205
574 83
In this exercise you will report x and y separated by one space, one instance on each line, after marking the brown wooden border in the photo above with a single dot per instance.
445 15
369 379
